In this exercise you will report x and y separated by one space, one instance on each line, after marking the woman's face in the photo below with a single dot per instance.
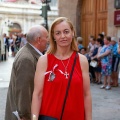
82 51
97 43
106 42
92 41
63 34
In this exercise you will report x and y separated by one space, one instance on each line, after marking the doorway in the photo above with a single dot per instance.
93 18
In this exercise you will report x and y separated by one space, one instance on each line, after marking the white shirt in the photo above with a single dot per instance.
4 40
23 42
36 50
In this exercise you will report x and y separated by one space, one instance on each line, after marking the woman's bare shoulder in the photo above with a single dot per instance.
42 60
83 62
82 58
43 57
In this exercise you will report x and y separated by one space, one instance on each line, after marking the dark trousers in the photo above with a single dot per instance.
7 47
3 56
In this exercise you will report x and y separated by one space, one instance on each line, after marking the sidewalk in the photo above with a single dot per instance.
5 72
106 104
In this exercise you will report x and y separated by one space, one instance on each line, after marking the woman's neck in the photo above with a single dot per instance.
63 53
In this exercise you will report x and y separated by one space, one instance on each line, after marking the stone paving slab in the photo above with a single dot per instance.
5 72
106 103
3 95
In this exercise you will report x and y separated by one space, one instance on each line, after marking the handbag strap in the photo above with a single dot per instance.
68 86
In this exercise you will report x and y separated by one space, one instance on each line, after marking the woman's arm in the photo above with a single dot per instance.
104 54
118 48
92 58
38 86
86 87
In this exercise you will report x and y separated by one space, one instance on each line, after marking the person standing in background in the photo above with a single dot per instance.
115 62
3 56
21 85
106 62
7 44
23 41
97 69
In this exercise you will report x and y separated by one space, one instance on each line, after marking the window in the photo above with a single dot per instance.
54 3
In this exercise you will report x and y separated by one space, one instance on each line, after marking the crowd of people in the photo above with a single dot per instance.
14 42
103 54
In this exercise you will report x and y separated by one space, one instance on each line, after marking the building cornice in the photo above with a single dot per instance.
27 9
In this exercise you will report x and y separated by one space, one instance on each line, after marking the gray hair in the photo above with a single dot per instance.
79 39
34 33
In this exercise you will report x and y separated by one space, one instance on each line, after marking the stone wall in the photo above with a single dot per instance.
68 8
112 30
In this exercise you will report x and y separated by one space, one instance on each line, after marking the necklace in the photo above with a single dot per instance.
66 74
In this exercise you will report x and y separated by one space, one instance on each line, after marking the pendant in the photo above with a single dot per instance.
51 76
66 74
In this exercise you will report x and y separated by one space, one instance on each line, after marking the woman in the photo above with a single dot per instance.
97 69
92 47
12 44
106 62
52 75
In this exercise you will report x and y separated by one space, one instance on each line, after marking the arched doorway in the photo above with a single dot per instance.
93 18
15 28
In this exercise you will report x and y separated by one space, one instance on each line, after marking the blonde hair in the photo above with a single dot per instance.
53 47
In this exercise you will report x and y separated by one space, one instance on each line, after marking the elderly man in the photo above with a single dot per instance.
22 77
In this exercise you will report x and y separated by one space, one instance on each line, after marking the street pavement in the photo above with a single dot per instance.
105 103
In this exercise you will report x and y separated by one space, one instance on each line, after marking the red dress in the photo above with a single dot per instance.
54 91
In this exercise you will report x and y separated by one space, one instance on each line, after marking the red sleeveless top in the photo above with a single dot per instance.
54 91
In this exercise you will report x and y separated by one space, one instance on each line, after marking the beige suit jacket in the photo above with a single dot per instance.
21 83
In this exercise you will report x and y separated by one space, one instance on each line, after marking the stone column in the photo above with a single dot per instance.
68 8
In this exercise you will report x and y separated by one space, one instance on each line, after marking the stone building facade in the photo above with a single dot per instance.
71 9
19 16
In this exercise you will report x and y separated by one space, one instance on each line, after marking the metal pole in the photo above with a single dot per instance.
46 18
